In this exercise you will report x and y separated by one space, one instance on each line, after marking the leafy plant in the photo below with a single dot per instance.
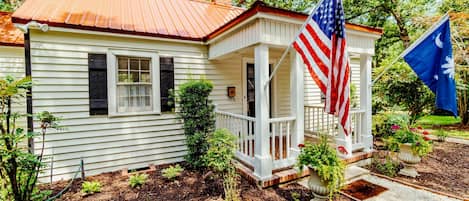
388 167
19 169
91 187
197 112
138 180
172 172
324 160
441 135
421 144
383 123
295 196
220 158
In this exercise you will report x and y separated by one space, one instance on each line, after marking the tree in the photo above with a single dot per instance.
10 5
294 5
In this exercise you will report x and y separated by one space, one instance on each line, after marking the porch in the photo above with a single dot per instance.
270 118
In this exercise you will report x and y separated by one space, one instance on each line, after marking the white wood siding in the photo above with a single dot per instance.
12 63
313 93
60 69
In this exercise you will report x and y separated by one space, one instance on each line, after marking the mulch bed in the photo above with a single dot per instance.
446 169
191 185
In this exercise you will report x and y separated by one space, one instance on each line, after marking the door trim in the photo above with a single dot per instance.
273 107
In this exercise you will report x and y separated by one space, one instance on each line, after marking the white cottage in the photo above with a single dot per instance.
105 67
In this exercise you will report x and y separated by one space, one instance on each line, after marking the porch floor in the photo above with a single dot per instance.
290 174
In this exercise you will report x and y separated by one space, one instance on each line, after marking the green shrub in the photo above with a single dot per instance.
137 180
421 144
197 112
382 123
220 158
388 167
172 172
19 169
91 187
441 135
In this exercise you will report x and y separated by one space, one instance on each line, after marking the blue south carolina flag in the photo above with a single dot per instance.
431 58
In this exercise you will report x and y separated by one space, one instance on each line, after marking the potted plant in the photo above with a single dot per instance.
325 167
412 144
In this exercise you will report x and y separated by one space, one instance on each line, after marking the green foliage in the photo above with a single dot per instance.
19 169
353 95
294 5
437 120
295 196
138 180
10 5
421 145
197 112
388 167
324 160
382 123
172 172
91 187
220 158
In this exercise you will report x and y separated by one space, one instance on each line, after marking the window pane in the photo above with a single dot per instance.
134 76
134 64
145 64
122 63
123 76
145 77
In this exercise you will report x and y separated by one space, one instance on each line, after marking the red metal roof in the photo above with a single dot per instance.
181 19
9 34
196 20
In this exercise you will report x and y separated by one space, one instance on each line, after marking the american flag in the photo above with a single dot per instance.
322 45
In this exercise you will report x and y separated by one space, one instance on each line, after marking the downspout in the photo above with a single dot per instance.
28 73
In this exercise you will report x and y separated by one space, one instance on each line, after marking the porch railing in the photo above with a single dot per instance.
317 121
280 141
243 128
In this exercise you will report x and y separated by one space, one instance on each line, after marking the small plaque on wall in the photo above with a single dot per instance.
231 91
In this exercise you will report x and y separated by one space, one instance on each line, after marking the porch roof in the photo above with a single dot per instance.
9 34
194 20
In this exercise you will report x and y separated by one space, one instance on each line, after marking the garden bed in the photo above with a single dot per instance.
190 185
445 169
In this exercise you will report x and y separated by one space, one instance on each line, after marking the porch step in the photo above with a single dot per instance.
352 173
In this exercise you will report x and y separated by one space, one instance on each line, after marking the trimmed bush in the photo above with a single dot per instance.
197 112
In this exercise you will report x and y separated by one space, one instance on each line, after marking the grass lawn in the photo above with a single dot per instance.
431 122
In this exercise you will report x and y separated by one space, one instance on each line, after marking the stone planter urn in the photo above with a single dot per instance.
318 187
410 159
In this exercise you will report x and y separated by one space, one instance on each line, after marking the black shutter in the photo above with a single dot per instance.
166 82
97 69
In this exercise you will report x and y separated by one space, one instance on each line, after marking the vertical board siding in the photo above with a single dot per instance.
60 70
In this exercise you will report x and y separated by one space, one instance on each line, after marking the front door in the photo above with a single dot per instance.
251 91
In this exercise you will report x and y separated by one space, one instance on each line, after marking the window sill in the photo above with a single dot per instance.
129 114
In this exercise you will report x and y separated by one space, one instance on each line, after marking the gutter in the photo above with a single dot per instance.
28 73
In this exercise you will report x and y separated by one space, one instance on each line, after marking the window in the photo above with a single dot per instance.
135 84
97 81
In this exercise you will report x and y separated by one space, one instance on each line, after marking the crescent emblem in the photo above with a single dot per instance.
438 42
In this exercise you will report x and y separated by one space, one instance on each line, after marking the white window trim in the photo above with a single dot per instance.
113 76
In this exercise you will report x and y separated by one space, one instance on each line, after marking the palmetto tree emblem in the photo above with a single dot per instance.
449 67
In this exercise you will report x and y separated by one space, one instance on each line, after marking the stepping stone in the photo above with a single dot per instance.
354 172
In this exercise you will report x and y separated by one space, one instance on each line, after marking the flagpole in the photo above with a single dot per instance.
285 52
411 47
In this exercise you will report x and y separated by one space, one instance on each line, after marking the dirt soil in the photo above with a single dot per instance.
190 185
445 169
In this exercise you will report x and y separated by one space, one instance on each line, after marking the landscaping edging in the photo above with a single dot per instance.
418 187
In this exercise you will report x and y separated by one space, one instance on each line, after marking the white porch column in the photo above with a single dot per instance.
296 101
263 159
365 100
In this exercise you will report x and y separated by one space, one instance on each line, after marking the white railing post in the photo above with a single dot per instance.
297 102
262 157
365 101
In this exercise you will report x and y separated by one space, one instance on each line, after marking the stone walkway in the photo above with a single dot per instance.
396 191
